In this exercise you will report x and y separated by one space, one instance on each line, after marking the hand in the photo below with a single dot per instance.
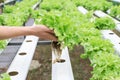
43 32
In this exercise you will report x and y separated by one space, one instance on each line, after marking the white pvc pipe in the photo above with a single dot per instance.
116 1
20 64
114 39
8 1
36 4
82 10
1 50
62 71
118 27
102 14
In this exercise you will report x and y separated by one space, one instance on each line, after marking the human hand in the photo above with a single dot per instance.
43 32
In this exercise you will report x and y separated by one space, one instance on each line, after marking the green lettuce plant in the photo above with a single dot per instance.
4 76
104 23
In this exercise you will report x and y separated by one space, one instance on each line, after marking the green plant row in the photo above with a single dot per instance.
16 15
103 5
114 11
74 28
105 63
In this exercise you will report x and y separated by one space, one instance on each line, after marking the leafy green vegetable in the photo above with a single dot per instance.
104 23
16 15
49 5
73 28
1 19
96 45
2 44
94 4
57 5
115 11
4 76
106 67
8 9
62 25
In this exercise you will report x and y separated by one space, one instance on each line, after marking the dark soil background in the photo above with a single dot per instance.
43 55
81 68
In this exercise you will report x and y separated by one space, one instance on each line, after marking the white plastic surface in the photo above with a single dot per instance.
1 51
114 39
21 63
118 27
36 5
102 14
7 1
62 71
116 0
82 10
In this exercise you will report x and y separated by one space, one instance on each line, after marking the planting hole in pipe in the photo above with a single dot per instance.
13 73
61 61
111 33
28 40
22 53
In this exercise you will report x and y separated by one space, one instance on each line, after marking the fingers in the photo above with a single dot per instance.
50 32
53 34
52 37
49 36
45 28
48 29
